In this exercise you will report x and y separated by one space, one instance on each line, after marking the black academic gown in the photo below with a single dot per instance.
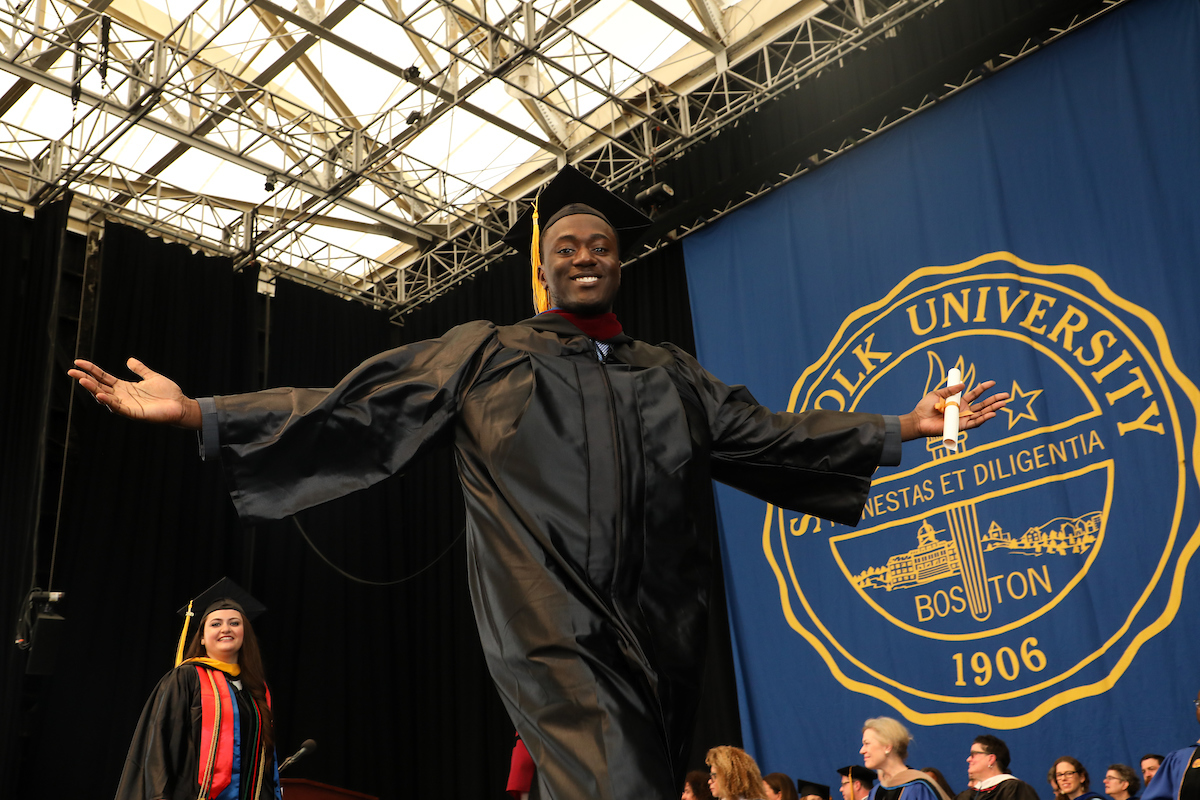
164 756
1011 789
588 549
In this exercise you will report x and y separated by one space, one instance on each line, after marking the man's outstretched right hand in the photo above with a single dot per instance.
155 398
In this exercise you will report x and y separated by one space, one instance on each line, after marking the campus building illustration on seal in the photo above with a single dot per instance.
1024 571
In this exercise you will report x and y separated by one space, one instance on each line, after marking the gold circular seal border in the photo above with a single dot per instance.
1167 361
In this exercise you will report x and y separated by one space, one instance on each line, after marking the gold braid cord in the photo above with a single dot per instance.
541 298
187 618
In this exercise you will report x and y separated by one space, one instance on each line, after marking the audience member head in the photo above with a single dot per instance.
813 791
1071 776
988 757
939 779
1120 782
883 737
778 786
856 782
733 774
1150 764
695 786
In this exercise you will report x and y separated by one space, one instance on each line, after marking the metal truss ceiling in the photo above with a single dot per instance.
379 148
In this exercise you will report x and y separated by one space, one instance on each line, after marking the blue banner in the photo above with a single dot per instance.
1040 229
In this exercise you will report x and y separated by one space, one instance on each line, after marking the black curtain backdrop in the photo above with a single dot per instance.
141 525
19 443
34 250
389 680
370 646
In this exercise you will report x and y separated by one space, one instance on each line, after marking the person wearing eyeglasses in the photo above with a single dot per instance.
1121 782
987 773
1072 780
733 774
1052 781
1178 778
856 782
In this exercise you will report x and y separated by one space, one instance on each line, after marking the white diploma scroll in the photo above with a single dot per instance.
950 415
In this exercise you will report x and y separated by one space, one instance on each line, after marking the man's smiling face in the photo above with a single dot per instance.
581 268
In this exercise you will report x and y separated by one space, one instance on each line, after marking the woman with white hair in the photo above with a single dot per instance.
884 749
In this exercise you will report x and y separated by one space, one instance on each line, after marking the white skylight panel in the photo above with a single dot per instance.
211 175
355 241
240 38
475 149
652 42
374 30
139 147
362 86
429 21
42 110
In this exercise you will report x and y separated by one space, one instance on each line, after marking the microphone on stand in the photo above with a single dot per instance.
306 748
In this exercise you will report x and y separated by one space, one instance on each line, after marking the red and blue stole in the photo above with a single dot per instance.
222 755
220 735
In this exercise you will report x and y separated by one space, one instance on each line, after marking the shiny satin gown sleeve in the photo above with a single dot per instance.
285 450
815 462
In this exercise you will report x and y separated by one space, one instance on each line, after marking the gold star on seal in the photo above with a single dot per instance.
1028 397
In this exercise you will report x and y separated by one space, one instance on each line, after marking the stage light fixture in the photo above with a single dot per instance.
656 195
41 631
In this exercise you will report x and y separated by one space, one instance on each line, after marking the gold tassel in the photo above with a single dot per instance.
541 299
187 618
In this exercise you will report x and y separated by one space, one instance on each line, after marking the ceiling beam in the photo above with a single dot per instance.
678 24
407 232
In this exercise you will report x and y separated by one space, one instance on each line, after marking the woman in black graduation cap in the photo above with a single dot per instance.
206 730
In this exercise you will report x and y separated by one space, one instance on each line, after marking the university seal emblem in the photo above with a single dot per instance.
1024 571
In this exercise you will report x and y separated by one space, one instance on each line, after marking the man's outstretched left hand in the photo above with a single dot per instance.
926 418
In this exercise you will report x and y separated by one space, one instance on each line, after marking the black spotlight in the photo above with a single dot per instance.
413 117
269 184
41 630
657 194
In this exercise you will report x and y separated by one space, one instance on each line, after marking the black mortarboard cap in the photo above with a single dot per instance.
224 594
572 192
857 772
809 787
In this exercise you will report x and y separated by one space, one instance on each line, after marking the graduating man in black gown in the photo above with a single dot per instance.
581 453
